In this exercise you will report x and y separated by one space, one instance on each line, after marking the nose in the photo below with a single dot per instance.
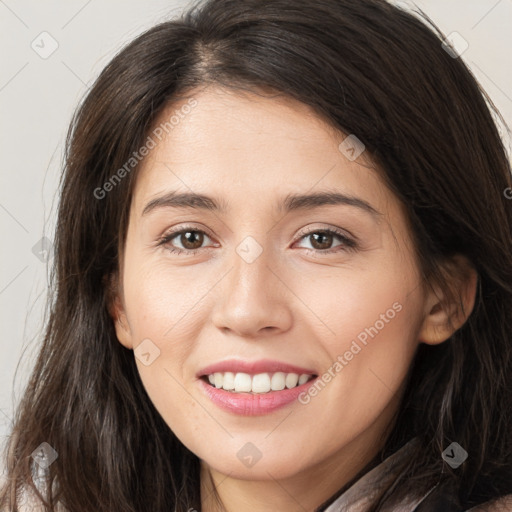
254 300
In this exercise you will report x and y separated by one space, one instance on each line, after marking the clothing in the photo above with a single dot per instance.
361 494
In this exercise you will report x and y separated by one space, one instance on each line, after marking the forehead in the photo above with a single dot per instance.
246 147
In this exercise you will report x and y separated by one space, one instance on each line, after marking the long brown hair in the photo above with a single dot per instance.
368 68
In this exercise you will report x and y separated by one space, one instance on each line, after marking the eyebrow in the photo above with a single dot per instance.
291 202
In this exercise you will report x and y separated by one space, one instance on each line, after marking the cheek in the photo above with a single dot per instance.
357 305
167 305
368 332
364 370
162 301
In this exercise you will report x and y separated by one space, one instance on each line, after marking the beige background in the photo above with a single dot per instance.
37 99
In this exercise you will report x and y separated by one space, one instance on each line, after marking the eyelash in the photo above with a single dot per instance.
348 243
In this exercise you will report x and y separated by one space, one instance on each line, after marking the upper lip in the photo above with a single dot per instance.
253 367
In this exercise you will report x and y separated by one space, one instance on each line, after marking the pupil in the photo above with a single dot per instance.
323 245
188 236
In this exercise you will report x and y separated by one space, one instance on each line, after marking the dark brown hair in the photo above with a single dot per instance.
369 69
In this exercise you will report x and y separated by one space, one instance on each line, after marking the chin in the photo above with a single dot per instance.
268 467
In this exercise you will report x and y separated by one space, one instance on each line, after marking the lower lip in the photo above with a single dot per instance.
249 404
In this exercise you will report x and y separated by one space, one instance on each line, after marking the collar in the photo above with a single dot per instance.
364 491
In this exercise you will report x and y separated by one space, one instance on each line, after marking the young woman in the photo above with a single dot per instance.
283 276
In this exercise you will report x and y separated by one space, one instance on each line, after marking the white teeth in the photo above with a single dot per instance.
259 383
291 380
243 382
278 381
303 379
229 381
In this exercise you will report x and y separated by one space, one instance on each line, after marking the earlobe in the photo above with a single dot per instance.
123 331
446 313
117 313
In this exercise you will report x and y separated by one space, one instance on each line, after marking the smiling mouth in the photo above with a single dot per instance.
259 383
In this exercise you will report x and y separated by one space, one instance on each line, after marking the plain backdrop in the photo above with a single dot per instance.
39 92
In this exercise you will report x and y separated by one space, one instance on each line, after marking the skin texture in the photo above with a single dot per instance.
303 308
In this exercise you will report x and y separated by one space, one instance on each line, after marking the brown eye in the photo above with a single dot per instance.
186 241
191 239
321 240
328 241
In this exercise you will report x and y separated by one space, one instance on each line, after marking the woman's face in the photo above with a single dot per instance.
258 287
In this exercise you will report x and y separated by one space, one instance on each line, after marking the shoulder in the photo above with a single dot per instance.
503 504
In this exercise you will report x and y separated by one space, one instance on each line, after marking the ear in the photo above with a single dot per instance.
117 311
446 312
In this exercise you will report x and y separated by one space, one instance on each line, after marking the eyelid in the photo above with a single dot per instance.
339 231
350 241
184 228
